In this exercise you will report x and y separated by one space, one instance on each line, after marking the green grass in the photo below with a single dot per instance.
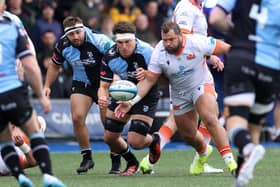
172 170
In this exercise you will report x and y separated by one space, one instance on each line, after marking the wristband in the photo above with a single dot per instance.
25 148
135 100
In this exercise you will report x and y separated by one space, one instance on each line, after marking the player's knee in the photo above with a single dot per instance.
113 125
135 140
78 120
210 119
139 127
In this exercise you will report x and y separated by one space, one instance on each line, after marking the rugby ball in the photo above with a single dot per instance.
123 90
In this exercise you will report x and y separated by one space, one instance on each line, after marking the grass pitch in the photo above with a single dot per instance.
171 170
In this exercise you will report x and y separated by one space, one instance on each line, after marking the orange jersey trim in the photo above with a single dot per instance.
210 88
186 31
217 47
153 73
179 52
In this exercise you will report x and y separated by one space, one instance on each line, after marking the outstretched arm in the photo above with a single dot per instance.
144 87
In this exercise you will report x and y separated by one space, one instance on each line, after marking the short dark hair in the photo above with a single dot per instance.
169 25
124 27
71 21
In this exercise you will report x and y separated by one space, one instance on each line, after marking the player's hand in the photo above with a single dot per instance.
18 140
45 103
103 102
216 63
141 74
47 91
122 109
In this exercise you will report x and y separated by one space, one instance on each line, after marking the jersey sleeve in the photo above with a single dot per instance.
147 51
23 48
226 5
103 43
154 65
106 74
57 57
206 45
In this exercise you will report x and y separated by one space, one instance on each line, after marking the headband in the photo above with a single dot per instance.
125 36
78 26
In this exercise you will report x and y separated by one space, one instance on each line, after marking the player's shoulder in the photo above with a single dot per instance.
13 18
111 54
143 46
100 40
62 43
198 41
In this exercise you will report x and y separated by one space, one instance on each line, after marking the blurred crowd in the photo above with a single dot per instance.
43 22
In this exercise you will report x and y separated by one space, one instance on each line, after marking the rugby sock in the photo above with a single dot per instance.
205 133
165 134
240 160
203 150
41 152
116 160
242 137
86 153
226 153
129 157
11 159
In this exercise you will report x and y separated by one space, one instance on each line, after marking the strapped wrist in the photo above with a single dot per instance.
135 100
25 148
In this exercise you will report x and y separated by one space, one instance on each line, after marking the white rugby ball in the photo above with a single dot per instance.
123 90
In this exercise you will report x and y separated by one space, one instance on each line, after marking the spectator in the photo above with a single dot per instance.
45 22
106 26
142 30
88 11
154 18
23 12
62 85
125 10
166 8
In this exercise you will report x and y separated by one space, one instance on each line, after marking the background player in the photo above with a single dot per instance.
22 147
251 73
189 16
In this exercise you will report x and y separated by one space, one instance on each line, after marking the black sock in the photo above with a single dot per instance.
129 157
40 151
116 160
242 138
240 160
10 157
86 153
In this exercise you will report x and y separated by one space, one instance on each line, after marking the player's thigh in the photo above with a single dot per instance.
187 123
80 105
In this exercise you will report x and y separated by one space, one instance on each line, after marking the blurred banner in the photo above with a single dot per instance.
59 122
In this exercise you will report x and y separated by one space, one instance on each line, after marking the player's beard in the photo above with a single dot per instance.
77 43
174 50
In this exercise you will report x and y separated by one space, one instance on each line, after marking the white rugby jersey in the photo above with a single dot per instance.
186 70
190 18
